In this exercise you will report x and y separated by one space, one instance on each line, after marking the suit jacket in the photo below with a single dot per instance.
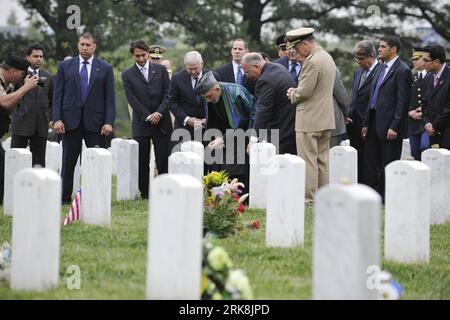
340 105
393 101
284 61
437 103
100 106
360 100
146 98
417 98
32 113
314 94
182 99
226 74
273 108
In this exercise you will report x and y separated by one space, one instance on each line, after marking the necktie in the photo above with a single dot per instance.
198 97
436 80
239 75
380 77
84 82
144 73
363 78
293 71
420 76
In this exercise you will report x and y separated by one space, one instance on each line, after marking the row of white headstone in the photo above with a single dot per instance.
176 203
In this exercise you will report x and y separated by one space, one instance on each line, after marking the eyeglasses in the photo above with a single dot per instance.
359 58
427 60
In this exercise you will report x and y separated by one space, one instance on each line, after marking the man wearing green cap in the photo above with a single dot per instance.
315 113
12 72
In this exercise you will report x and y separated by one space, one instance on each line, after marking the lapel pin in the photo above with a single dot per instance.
153 71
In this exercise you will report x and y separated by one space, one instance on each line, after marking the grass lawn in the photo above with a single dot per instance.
112 260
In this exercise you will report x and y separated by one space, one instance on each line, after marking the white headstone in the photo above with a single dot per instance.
343 164
127 170
438 160
53 156
175 231
77 171
6 144
285 224
406 150
16 159
260 156
36 230
114 149
187 163
407 212
153 169
96 186
346 241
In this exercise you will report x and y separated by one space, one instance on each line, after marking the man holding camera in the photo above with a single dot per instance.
30 120
12 71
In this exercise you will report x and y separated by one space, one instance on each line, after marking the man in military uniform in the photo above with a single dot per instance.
418 138
12 72
156 53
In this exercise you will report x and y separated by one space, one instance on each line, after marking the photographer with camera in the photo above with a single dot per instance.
12 72
30 121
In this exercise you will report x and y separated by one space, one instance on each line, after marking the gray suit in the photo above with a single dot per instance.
30 119
340 105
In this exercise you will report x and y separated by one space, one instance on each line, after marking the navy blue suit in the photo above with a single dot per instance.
390 112
284 61
82 120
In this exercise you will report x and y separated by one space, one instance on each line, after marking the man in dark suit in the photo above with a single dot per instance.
437 104
365 56
30 119
187 105
385 118
232 72
292 63
418 137
274 110
146 84
83 106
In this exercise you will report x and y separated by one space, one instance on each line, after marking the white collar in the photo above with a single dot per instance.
145 67
391 62
88 60
374 64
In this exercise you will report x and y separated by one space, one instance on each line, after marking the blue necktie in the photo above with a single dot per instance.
84 82
239 75
293 71
380 77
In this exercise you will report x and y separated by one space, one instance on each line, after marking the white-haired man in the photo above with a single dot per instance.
188 107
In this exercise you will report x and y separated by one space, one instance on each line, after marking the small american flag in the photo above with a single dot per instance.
75 209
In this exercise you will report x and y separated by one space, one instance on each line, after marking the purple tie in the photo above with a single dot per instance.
84 82
436 80
373 101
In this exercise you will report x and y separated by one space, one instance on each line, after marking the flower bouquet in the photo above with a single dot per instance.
223 204
219 279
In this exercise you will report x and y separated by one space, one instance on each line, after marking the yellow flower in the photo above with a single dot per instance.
218 259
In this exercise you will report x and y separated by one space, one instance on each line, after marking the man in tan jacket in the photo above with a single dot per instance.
314 118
